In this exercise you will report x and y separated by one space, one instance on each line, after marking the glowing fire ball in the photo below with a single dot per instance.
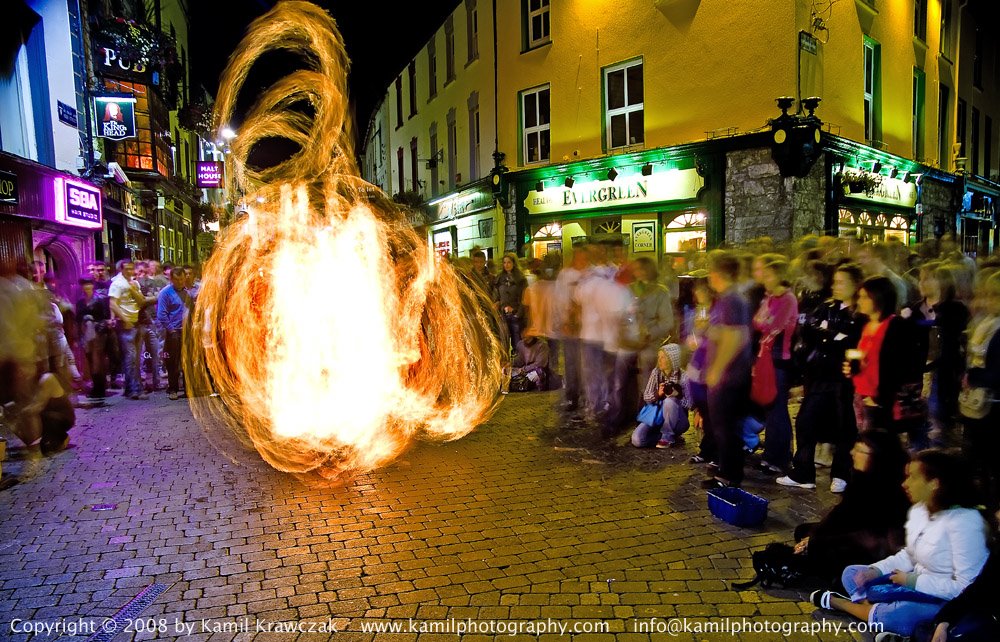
331 332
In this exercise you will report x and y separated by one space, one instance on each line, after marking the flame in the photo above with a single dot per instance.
331 332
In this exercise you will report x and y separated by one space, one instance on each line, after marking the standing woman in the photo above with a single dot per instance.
944 318
890 356
827 411
509 290
775 321
982 438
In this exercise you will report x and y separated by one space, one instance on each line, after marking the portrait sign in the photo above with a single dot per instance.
115 117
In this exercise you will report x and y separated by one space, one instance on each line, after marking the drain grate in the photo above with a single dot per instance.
116 623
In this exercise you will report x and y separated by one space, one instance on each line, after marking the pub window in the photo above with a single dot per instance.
535 23
412 74
946 29
623 104
975 140
472 28
988 149
148 150
919 80
413 164
960 118
432 82
449 49
399 102
535 115
920 19
872 90
399 168
944 126
977 60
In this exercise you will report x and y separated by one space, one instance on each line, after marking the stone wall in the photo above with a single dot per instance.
759 202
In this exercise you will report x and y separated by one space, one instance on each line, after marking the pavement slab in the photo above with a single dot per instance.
528 522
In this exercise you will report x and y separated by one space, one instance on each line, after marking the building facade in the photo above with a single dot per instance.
90 94
665 125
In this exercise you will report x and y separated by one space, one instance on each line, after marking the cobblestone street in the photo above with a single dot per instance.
523 520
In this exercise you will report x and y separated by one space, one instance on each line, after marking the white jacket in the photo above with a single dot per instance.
946 550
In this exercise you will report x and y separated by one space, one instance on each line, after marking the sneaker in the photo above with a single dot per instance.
788 481
172 396
888 636
717 482
821 598
768 469
838 485
697 459
663 443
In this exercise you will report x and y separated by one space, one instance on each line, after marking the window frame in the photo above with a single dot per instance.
411 74
431 70
917 114
872 90
449 46
472 30
946 44
399 101
625 110
544 12
920 19
539 128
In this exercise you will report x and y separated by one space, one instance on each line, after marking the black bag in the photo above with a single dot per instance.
521 383
776 564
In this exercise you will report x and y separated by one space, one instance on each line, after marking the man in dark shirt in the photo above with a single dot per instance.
171 311
92 315
729 361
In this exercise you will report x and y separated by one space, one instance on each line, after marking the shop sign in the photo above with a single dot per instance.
453 207
210 173
442 243
644 237
78 203
8 188
112 63
672 185
67 114
890 191
115 116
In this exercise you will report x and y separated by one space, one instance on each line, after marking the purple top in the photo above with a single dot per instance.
778 314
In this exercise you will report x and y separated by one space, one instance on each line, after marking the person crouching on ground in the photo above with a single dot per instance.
664 387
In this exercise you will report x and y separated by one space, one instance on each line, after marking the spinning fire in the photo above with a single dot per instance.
331 332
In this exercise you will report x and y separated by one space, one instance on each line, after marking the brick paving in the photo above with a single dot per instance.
522 520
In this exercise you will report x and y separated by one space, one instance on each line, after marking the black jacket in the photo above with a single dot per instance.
978 598
901 359
988 376
825 333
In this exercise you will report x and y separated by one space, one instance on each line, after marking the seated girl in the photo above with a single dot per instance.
665 387
945 550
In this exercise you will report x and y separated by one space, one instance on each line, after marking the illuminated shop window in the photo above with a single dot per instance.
148 151
685 233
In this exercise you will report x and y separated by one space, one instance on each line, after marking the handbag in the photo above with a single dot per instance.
975 403
909 404
763 379
777 564
651 415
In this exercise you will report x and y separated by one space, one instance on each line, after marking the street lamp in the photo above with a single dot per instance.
228 133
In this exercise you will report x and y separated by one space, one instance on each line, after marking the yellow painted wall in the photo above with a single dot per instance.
703 67
469 77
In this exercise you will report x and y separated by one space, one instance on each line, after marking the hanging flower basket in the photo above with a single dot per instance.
860 182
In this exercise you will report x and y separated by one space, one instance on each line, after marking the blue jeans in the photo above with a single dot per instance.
129 341
149 348
675 423
902 615
513 329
